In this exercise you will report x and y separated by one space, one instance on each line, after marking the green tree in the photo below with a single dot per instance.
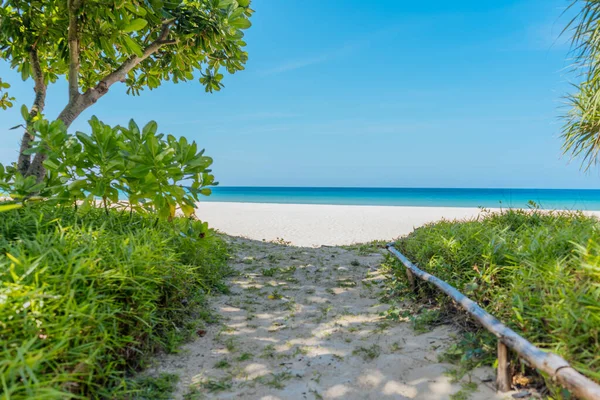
97 43
581 130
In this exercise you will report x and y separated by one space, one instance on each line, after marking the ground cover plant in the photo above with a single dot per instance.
86 297
101 260
538 272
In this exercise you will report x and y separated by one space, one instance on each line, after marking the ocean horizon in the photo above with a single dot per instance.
550 199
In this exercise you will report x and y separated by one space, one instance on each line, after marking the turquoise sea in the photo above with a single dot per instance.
570 199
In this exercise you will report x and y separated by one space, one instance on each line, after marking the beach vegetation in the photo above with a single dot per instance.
536 271
96 44
156 388
368 353
245 357
467 388
217 385
425 320
365 249
87 298
129 167
277 380
269 271
222 364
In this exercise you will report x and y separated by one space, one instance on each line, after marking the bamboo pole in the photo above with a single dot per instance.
550 363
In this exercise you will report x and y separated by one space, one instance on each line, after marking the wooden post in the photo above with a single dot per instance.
411 280
503 380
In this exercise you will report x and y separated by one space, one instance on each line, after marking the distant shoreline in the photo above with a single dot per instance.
564 199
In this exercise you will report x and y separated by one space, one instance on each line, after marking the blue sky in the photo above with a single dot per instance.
385 93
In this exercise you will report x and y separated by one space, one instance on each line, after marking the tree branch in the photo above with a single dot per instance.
39 86
73 40
119 74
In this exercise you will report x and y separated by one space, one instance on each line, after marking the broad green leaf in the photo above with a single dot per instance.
25 112
133 46
135 25
150 128
87 141
187 209
49 164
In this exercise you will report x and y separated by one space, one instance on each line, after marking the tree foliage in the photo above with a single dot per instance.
112 164
97 43
188 36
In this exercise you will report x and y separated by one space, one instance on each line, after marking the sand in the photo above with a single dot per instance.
307 323
305 318
316 225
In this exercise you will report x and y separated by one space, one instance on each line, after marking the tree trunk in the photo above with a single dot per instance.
24 160
67 116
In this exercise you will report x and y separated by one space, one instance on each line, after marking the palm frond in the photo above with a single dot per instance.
581 129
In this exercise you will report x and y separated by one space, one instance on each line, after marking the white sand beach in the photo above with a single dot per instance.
315 225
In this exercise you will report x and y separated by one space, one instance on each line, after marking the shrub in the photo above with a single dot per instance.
537 272
85 298
145 167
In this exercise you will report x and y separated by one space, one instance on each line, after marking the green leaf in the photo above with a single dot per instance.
135 25
49 164
25 112
80 184
31 150
240 23
150 128
8 207
133 46
136 10
86 140
187 209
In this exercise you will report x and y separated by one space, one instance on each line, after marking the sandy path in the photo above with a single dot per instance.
305 323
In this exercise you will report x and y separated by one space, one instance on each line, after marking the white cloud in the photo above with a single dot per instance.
313 60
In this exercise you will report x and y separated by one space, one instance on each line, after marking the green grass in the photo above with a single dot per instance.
368 353
85 299
365 249
537 272
222 364
245 357
467 388
156 388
